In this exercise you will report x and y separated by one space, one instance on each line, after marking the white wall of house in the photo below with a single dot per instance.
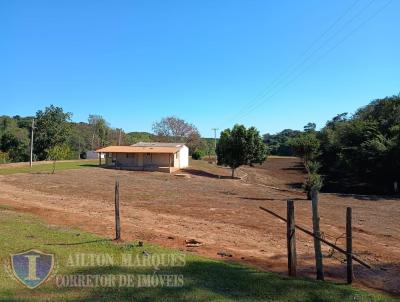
183 155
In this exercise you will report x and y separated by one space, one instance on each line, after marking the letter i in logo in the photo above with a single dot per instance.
32 267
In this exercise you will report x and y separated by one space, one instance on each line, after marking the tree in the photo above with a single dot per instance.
305 145
278 144
310 127
173 129
313 181
360 154
58 152
15 147
256 148
240 146
197 154
100 130
51 128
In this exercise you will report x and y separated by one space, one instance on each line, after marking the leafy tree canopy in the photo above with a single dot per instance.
240 146
51 128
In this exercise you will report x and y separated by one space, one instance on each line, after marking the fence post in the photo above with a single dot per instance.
317 232
291 239
349 246
117 219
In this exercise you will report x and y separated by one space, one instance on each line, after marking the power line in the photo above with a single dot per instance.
286 80
319 58
299 65
288 70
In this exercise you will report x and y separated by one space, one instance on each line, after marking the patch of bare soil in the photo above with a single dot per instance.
219 212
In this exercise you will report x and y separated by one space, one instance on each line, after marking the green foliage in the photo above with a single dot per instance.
240 146
197 154
58 152
305 145
361 154
279 144
136 137
310 127
51 128
17 149
312 166
313 183
4 158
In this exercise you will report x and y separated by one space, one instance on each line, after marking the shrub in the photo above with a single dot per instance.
58 152
312 167
4 158
197 154
313 182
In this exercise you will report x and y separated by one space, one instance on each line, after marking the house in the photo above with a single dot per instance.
164 157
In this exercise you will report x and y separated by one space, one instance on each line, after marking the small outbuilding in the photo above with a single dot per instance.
154 156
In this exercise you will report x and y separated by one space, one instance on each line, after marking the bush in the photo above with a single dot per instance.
312 167
197 154
4 157
313 182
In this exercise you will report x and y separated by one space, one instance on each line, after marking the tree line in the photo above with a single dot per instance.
57 137
358 153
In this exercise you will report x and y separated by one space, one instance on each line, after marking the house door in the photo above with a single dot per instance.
147 159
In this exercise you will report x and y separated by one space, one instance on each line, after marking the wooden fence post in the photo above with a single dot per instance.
117 219
317 233
291 239
349 246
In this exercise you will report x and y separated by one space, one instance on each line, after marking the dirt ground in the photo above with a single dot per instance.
220 212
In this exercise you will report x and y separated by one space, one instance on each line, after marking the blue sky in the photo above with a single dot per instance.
271 64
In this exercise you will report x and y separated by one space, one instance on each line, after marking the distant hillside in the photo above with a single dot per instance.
135 137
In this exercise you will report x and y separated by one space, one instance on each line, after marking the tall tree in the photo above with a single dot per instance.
240 146
51 128
305 145
100 130
174 129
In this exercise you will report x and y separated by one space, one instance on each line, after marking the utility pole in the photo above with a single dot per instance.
31 158
215 138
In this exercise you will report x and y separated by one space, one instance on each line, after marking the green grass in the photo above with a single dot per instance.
48 167
204 279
